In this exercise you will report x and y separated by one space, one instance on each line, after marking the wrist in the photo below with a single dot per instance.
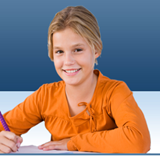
71 146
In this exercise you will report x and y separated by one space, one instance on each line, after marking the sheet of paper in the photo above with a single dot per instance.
34 149
31 149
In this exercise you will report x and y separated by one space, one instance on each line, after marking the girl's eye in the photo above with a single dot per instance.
59 51
78 50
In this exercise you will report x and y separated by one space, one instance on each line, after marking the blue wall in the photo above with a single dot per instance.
130 32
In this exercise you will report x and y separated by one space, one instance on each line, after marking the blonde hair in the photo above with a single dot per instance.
80 20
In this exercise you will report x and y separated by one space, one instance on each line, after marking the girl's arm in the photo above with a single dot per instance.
131 136
25 115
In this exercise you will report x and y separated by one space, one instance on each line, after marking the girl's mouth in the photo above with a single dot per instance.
71 73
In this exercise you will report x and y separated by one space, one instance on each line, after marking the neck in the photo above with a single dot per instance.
83 91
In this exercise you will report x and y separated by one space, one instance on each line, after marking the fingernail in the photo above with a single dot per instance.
18 144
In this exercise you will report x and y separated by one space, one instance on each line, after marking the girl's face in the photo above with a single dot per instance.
72 52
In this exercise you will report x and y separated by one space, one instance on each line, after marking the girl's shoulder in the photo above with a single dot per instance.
109 88
107 82
51 87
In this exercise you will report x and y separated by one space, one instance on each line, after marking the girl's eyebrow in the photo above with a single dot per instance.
75 45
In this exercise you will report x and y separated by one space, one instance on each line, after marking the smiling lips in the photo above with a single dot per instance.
71 70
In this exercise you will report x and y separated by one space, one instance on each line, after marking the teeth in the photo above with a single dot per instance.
72 71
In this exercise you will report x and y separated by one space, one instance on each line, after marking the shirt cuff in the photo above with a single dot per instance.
71 146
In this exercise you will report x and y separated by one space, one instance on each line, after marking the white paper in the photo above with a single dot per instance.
31 149
35 149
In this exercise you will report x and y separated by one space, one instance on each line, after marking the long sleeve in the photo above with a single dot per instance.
130 136
25 115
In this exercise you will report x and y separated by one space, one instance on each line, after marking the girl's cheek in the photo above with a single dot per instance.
58 63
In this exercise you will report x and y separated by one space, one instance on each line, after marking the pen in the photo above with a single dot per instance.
4 124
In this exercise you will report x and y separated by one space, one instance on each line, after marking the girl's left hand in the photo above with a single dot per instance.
55 145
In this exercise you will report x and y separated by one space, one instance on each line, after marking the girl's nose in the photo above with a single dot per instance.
69 59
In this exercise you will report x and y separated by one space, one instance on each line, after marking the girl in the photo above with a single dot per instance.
86 111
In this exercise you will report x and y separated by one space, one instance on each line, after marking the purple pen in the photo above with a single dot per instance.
4 124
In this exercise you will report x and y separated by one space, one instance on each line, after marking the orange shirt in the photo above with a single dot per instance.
115 123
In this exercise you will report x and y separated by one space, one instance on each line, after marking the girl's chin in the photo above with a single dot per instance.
69 82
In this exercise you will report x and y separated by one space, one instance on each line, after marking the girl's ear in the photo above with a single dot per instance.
97 54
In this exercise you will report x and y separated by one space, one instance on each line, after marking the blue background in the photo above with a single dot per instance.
130 32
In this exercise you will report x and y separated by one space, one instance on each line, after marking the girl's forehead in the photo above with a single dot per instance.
67 34
68 37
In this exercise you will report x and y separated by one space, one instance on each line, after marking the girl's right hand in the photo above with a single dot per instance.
9 142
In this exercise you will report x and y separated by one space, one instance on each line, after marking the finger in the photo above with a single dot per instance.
1 152
49 144
5 149
51 147
46 144
55 147
19 141
42 145
9 135
13 137
8 143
